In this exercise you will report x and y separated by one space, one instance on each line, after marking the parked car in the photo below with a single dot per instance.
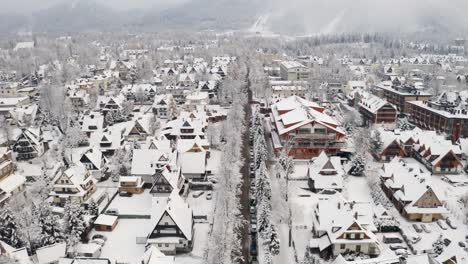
389 239
209 196
253 249
398 246
98 241
417 228
197 194
112 211
401 252
99 236
451 223
447 242
462 244
125 194
252 210
426 228
442 224
253 228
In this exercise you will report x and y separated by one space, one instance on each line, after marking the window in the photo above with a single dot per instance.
159 245
303 131
342 246
166 223
166 245
358 248
319 131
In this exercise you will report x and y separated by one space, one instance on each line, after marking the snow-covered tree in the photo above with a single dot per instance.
51 231
73 138
403 124
358 165
109 118
262 184
260 151
263 218
286 163
376 142
93 208
272 241
10 229
74 223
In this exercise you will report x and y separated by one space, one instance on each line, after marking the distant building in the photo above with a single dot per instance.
400 95
447 114
294 71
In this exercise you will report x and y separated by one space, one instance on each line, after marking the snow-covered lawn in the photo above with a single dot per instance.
300 170
199 246
302 203
138 204
214 161
121 243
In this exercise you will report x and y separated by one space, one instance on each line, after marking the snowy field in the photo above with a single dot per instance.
138 204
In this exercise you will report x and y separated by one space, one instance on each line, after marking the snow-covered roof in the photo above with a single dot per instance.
106 220
292 64
177 209
12 182
51 254
192 162
24 45
326 172
146 161
373 103
294 112
153 255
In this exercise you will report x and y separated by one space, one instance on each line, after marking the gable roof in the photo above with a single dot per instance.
179 211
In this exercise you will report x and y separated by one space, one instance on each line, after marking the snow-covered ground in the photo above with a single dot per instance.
121 242
138 204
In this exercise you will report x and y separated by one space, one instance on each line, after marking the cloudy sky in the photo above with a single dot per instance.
27 6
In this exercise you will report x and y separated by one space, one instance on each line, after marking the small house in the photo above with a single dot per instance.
105 222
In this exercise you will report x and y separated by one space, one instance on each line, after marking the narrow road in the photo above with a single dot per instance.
245 170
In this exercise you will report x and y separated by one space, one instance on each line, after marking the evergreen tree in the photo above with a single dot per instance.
273 241
260 152
109 119
376 142
9 229
51 232
93 208
263 219
262 184
74 223
358 166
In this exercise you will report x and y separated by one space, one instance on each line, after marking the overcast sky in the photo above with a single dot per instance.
27 6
